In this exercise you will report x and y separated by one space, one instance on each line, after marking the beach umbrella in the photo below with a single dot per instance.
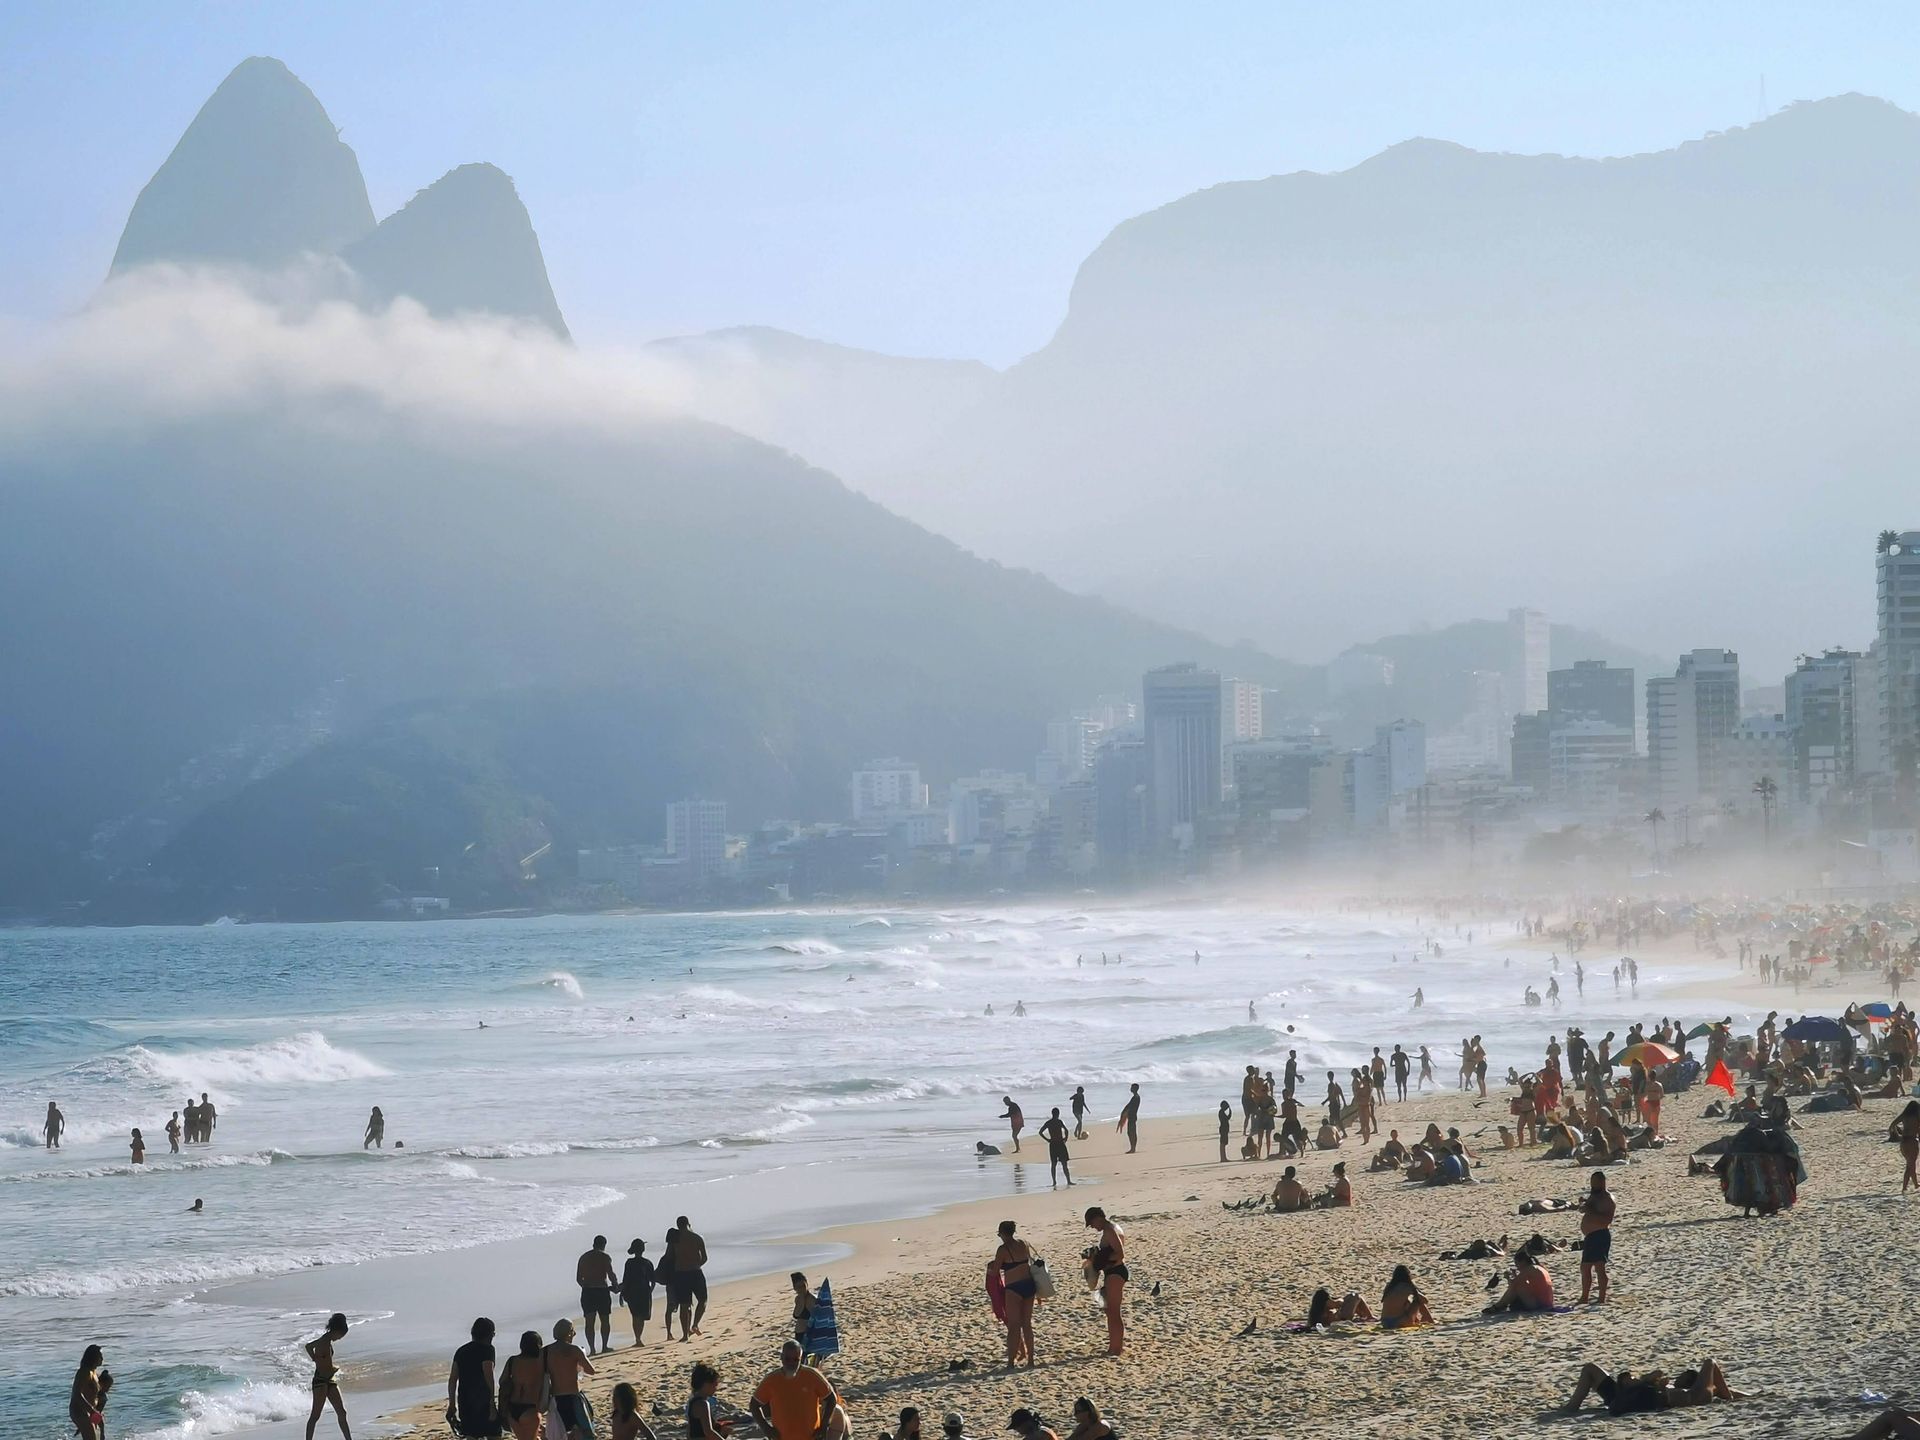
1647 1052
1817 1027
1701 1029
1878 1010
823 1333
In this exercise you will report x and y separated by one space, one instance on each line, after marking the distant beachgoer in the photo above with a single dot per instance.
198 1207
1226 1127
138 1146
624 1415
983 1149
663 1276
802 1305
1109 1259
326 1375
1015 1261
56 1125
1906 1129
703 1411
1401 1303
689 1277
1079 1104
1053 1130
593 1273
1402 1064
1426 1068
1130 1119
565 1363
173 1133
1596 1226
523 1388
1088 1422
1019 1007
376 1135
1252 1014
1323 1311
1630 1394
87 1399
472 1407
1014 1118
636 1289
190 1122
1419 996
797 1402
208 1119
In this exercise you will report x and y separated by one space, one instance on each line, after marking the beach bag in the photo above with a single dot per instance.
1043 1286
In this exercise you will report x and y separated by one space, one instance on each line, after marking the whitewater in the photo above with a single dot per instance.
539 1075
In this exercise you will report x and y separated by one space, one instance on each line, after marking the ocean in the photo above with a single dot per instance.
764 1072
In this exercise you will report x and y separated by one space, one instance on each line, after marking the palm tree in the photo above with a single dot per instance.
1888 539
1656 817
1768 792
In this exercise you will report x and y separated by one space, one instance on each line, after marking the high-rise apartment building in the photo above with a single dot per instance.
1531 753
1529 651
1182 704
1897 573
1592 690
1690 715
1822 711
697 837
1121 803
1240 710
883 787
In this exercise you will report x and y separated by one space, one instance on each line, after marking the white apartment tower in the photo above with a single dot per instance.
1182 704
1530 652
885 787
697 836
1897 573
1690 716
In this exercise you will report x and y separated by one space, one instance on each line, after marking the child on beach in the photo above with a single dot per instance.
703 1411
626 1421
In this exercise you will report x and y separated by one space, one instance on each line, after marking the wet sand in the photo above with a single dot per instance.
1793 1306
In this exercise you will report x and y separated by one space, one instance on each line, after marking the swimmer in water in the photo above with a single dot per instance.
199 1207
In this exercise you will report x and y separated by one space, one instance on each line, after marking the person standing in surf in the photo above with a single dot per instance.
173 1133
56 1125
1014 1118
376 1136
326 1375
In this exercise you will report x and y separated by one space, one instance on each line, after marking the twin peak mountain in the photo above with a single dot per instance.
261 180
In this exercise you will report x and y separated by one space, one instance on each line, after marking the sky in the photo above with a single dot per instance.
916 178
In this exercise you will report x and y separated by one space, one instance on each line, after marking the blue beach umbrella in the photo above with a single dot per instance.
1817 1027
1879 1009
823 1334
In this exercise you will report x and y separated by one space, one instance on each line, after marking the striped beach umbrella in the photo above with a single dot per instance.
823 1333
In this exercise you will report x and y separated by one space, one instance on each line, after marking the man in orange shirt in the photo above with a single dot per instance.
797 1402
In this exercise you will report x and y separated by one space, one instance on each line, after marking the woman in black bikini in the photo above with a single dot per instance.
523 1388
1015 1260
326 1375
87 1401
1110 1260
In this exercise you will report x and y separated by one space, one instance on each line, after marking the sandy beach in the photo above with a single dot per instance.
1791 1306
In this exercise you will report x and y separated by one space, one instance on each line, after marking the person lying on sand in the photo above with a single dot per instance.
1630 1394
1892 1422
1289 1193
1323 1310
1543 1207
1477 1249
1529 1288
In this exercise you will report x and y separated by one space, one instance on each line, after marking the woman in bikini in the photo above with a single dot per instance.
326 1376
1110 1261
1015 1260
1401 1304
87 1402
1322 1310
523 1388
1907 1130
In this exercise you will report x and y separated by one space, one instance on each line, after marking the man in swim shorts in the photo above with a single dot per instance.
1596 1229
594 1274
689 1276
565 1365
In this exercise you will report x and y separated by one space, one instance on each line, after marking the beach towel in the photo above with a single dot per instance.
997 1294
823 1332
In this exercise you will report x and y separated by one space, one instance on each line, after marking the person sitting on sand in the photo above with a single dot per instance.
1088 1423
1390 1156
1630 1394
1452 1167
1606 1142
1322 1311
703 1410
1402 1306
797 1402
1529 1288
1338 1194
1747 1107
1026 1424
626 1421
1327 1138
1433 1139
1289 1193
1422 1164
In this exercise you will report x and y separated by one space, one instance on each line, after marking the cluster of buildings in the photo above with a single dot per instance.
1203 773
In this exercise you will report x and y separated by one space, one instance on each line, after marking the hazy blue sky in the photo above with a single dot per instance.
914 177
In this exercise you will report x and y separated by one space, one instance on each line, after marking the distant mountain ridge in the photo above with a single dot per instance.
261 179
1311 405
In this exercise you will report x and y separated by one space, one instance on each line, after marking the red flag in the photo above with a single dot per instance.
1721 1077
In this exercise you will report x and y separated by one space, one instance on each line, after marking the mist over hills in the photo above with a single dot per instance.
1667 393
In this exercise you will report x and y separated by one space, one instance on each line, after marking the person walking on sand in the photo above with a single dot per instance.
1079 1105
593 1273
523 1388
1130 1119
1053 1130
1906 1129
56 1125
326 1375
1014 1260
1109 1259
87 1399
690 1276
472 1409
1596 1245
663 1277
636 1289
173 1134
1014 1118
565 1364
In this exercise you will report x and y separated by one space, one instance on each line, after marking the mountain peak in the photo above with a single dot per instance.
260 177
463 244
